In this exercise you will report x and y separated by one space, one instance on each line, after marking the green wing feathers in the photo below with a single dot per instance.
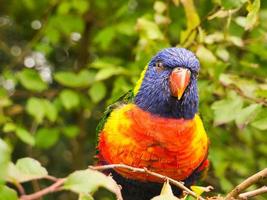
124 99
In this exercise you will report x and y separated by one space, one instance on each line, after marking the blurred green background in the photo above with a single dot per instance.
63 61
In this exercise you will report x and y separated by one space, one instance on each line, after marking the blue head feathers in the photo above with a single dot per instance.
154 94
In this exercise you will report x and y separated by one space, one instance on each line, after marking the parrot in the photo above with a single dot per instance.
156 126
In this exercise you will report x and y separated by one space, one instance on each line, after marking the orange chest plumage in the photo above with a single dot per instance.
172 147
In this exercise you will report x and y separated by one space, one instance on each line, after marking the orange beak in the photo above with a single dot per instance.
179 80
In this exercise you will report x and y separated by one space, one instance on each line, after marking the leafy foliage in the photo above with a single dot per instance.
166 193
26 169
64 61
4 160
86 182
7 193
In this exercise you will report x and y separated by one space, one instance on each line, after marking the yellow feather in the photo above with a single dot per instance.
200 133
117 120
140 80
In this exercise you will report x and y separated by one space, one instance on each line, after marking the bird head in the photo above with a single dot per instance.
168 85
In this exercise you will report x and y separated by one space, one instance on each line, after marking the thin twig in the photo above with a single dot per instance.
203 19
146 171
19 187
51 178
253 193
53 188
261 101
246 183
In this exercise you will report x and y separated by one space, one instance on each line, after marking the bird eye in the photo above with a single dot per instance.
159 66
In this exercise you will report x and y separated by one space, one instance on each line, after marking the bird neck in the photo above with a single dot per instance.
161 103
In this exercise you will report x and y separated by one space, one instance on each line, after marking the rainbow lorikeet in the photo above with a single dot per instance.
156 126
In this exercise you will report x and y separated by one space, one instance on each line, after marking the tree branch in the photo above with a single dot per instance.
53 188
203 19
19 187
261 101
236 193
146 171
246 183
253 193
83 51
51 178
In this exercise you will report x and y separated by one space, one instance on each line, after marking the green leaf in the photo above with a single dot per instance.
222 109
176 2
106 73
247 86
66 7
226 79
5 101
188 197
261 93
5 153
50 110
25 136
192 21
125 28
223 54
197 189
82 6
237 41
149 29
52 34
7 193
83 79
214 37
106 62
97 92
205 55
35 108
9 127
71 131
200 190
231 4
29 4
39 108
246 115
88 181
105 37
252 17
220 14
69 99
85 197
71 23
30 79
166 193
260 124
160 6
46 137
241 21
26 169
191 14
